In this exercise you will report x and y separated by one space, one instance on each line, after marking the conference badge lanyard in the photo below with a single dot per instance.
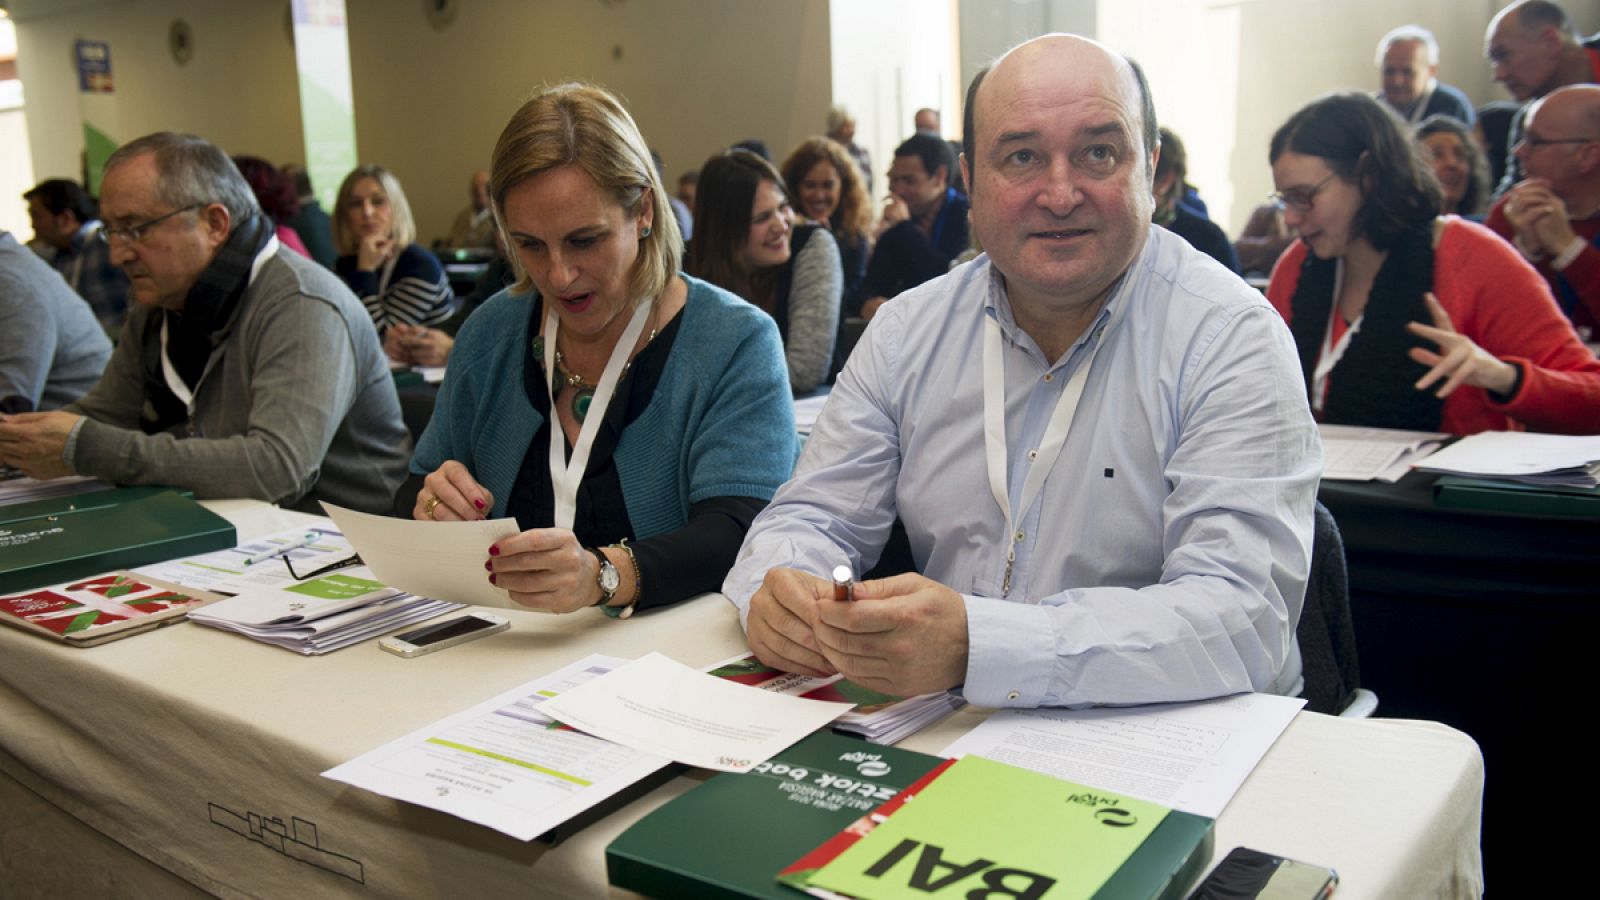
1055 434
1332 351
175 382
564 475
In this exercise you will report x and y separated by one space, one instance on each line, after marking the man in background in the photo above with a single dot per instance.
842 128
65 218
245 369
1553 216
1533 49
1408 69
474 225
51 348
923 228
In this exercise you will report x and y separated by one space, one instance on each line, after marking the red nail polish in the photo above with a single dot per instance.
491 579
494 549
478 503
488 566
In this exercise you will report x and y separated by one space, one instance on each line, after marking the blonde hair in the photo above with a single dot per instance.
586 126
402 227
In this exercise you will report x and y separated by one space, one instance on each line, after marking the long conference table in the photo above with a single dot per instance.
186 762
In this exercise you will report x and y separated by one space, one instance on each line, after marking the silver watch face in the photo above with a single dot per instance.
609 579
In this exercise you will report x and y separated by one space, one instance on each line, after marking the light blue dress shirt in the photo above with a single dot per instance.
1166 557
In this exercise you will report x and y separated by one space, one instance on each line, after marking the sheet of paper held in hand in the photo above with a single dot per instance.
438 560
502 763
1189 756
661 706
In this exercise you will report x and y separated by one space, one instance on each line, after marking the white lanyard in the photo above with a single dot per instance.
994 432
564 476
1331 352
175 382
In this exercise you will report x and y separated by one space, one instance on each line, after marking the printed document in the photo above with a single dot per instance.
663 706
504 763
1189 756
1350 453
438 560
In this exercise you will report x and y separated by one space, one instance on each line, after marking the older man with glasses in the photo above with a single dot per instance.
244 370
1553 216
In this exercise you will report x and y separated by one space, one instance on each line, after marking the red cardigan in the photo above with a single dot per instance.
1495 298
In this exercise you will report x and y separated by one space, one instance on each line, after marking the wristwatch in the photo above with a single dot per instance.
608 579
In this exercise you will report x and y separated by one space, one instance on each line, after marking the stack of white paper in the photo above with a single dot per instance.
1547 460
880 718
321 614
16 487
1350 453
1189 756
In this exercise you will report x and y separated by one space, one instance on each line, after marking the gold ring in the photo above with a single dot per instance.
429 507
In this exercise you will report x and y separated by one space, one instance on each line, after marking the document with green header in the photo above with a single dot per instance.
984 828
504 763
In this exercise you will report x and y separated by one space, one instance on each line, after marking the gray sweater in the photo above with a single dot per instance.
51 348
296 403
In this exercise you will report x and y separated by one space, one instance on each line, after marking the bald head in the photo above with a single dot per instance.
1562 140
1062 136
1531 46
1062 47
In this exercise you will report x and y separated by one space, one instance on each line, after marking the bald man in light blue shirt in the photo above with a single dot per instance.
1161 548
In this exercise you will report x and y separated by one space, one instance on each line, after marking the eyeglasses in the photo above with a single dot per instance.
134 233
1529 140
1299 199
353 559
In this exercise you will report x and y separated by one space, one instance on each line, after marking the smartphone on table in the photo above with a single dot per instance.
440 635
1246 874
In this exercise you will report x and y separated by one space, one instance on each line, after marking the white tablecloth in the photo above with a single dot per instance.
199 752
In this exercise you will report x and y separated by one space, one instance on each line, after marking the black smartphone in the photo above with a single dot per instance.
1245 874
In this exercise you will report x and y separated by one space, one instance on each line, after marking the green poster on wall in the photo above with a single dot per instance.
327 108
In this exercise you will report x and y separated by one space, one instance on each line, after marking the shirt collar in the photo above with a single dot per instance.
997 306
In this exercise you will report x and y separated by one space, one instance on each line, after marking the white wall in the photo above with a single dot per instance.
890 59
697 74
238 89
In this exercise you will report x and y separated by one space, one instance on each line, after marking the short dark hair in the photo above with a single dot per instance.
933 151
969 117
299 177
1364 142
59 195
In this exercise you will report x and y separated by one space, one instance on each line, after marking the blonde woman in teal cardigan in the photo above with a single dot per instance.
671 423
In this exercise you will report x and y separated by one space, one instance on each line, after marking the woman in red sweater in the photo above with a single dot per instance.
1404 318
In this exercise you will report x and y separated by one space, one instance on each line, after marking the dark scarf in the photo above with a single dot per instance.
1371 385
208 311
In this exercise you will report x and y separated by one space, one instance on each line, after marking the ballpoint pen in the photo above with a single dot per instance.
265 555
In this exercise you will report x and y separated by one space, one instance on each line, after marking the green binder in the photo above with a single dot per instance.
74 537
730 836
1497 495
105 496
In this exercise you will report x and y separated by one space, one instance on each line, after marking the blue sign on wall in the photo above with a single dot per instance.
94 66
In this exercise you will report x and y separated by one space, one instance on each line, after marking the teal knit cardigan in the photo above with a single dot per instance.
721 422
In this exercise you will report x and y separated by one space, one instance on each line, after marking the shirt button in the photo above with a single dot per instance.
1013 695
1049 376
1033 454
1021 536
